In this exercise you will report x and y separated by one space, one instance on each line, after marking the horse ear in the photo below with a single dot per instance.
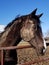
39 15
34 12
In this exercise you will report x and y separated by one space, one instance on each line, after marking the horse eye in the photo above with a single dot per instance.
34 28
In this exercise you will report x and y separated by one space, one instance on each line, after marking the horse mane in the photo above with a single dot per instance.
39 30
9 24
23 17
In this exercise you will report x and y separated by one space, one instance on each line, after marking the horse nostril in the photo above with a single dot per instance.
42 52
43 47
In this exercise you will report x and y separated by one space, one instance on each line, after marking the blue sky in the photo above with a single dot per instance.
9 9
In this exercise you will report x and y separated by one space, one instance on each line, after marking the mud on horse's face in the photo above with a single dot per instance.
28 31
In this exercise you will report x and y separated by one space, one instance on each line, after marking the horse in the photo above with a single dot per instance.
27 28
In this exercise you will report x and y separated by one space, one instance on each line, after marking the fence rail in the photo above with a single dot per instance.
21 47
10 48
15 47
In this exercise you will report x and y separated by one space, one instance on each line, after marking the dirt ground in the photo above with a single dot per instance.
29 54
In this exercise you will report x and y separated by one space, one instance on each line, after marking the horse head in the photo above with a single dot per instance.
31 31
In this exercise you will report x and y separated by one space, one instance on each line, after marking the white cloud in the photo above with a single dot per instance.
2 28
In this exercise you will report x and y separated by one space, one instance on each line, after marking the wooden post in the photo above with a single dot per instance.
2 61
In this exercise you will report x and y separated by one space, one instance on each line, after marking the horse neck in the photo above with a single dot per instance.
10 36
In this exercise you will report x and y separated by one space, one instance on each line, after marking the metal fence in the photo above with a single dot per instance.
20 47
